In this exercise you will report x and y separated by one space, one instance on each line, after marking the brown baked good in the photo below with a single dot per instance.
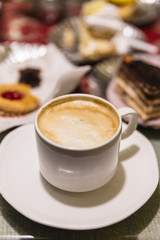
91 7
94 47
126 8
138 83
30 76
126 11
16 99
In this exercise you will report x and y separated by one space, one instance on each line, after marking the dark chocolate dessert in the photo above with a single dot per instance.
30 76
138 83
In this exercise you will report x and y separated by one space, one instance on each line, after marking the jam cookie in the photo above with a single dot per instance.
16 99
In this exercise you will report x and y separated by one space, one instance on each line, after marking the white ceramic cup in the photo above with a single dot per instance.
81 170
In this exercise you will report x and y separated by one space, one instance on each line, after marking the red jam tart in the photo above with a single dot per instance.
16 99
12 95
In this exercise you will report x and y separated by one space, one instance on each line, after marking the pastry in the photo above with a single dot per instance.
126 8
91 7
138 83
121 2
93 47
30 76
126 11
16 99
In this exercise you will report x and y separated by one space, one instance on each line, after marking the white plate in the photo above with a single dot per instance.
22 185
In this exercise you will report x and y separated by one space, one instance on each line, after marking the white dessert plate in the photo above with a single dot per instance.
23 187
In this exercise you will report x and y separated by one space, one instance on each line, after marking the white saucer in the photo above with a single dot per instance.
24 188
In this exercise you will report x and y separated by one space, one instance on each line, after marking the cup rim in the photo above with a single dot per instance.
59 146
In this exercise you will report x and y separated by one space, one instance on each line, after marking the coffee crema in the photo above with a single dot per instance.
78 123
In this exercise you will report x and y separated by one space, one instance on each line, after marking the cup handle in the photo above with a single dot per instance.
132 125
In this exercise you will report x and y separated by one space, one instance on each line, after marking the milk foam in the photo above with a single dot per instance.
78 123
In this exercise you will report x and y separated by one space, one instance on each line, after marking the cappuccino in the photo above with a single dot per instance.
78 122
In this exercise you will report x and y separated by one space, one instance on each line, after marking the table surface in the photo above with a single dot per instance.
143 224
